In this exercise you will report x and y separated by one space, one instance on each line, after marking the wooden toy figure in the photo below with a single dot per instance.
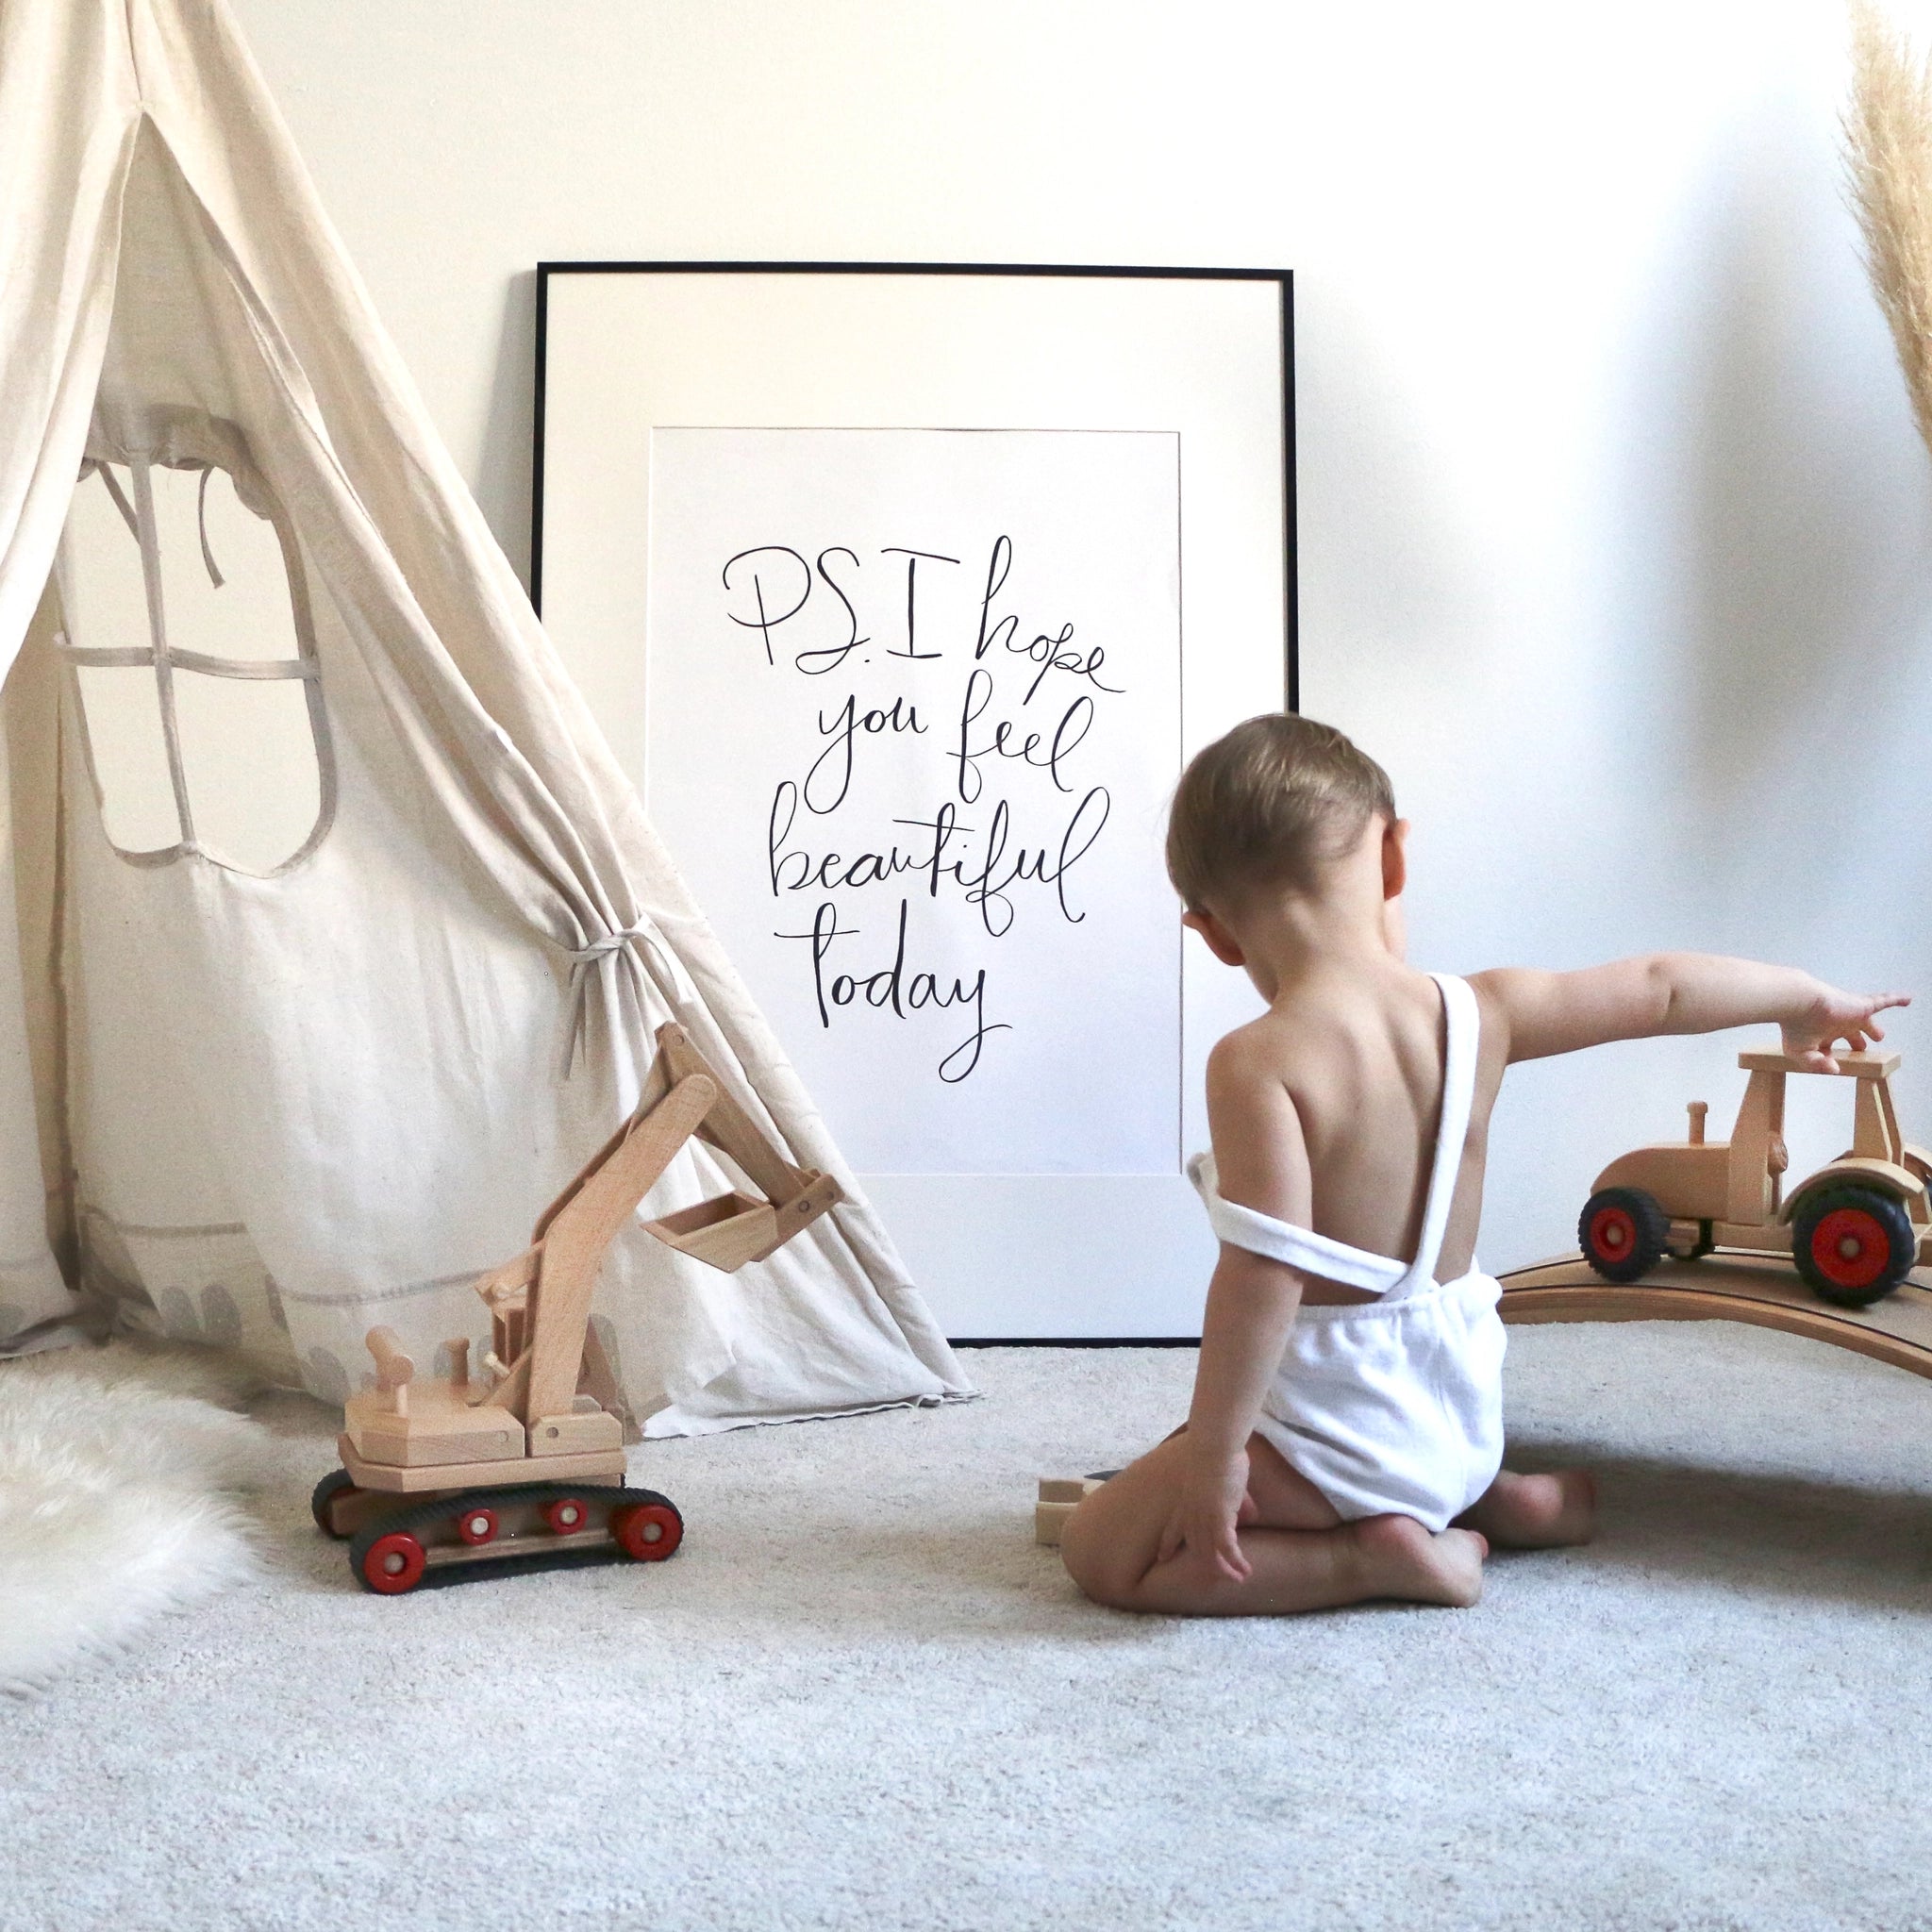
1855 1228
522 1467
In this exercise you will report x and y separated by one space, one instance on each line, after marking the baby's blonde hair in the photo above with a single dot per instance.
1270 803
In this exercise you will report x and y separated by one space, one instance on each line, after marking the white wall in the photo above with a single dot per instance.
1614 534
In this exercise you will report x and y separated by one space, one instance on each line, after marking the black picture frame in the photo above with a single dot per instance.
1283 278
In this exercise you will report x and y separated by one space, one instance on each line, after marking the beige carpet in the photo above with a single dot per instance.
860 1697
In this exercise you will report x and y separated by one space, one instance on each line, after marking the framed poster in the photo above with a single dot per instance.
902 594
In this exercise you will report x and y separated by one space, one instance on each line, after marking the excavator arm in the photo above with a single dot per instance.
540 1302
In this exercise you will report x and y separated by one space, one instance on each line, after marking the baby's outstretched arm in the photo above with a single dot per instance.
1679 992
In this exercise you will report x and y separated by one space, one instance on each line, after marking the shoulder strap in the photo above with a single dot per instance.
1461 1026
1295 1247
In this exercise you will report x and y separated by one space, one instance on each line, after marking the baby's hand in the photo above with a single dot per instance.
1205 1520
1833 1016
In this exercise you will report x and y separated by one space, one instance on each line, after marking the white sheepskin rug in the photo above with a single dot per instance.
118 1476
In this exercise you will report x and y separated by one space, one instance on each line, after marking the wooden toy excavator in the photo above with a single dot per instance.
522 1467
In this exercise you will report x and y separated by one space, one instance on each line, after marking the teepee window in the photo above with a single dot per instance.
187 628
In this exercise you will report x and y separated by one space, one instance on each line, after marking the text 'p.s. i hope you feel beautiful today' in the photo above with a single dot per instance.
914 711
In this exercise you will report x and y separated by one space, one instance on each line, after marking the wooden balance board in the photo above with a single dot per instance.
1729 1288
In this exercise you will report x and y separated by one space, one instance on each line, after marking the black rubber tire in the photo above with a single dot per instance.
1902 1242
326 1490
1650 1233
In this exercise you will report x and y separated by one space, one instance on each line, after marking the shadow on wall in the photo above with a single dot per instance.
1760 715
1795 618
503 478
1389 597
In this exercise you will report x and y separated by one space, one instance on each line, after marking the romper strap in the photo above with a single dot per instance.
1319 1254
1281 1240
1462 1029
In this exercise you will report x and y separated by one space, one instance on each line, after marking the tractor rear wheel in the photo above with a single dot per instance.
1852 1245
1622 1232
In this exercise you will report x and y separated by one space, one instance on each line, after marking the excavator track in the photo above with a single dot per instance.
463 1536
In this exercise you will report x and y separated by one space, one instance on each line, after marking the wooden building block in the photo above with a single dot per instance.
1049 1519
1059 1496
1064 1488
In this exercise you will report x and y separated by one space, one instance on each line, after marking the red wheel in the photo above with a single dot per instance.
477 1525
567 1515
1613 1232
1623 1233
647 1532
1850 1249
1852 1245
393 1563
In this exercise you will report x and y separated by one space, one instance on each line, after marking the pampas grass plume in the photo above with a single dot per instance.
1888 130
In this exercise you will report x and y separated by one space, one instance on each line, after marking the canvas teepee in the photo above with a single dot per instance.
316 855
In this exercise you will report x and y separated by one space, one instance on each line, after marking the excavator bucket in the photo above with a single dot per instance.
730 1230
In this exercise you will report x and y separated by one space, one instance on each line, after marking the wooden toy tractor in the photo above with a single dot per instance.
1855 1228
522 1467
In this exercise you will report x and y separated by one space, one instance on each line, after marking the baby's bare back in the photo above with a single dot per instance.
1358 1057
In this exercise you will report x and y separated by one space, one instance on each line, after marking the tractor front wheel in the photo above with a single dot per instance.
1623 1233
1852 1245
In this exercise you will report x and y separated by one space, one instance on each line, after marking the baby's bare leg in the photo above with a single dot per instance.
1304 1558
1536 1512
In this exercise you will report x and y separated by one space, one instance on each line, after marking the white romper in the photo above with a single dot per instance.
1392 1406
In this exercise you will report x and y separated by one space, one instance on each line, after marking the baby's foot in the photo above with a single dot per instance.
1537 1512
1400 1559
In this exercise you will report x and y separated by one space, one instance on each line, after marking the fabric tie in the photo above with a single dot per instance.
207 555
672 980
105 474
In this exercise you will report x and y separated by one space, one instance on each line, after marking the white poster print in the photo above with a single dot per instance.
913 715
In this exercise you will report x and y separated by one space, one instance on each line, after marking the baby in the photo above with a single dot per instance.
1345 1439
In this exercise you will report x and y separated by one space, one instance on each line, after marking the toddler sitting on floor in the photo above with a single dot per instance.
1345 1439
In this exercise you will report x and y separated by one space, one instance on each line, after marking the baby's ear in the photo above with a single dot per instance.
1220 943
1394 857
